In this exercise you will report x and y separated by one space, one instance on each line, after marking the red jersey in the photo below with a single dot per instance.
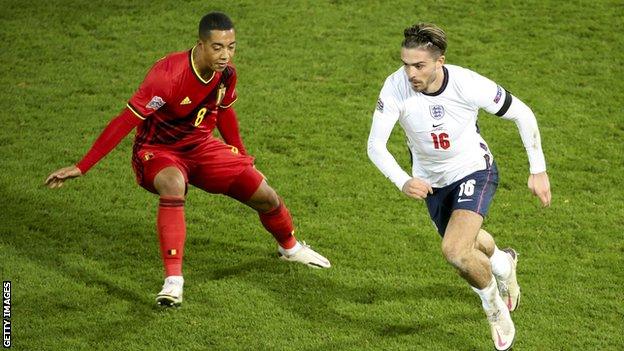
178 106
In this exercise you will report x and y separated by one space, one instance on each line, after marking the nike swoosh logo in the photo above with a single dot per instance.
463 200
437 125
501 343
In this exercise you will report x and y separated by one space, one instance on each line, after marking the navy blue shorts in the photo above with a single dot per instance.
473 192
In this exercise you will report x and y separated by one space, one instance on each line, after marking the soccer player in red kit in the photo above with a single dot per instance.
183 98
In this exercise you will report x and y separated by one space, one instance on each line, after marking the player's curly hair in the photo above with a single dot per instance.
425 35
214 21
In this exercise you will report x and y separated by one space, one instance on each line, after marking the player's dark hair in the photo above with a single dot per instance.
425 35
214 21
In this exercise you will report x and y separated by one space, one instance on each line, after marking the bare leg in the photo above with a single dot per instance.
264 199
485 243
170 182
459 247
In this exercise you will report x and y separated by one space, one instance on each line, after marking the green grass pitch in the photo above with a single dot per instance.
84 260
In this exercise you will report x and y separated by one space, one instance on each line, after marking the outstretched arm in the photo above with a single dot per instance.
228 127
110 137
525 120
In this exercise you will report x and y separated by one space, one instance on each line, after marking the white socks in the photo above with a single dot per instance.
488 295
175 279
501 266
291 251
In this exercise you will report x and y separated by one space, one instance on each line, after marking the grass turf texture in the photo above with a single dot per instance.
84 259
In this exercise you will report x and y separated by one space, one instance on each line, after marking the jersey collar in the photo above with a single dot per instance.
443 86
196 71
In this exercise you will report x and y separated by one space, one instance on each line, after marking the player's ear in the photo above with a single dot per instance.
440 61
201 45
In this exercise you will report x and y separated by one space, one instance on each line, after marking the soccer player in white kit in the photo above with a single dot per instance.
453 169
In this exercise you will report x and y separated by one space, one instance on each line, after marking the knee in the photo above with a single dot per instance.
172 186
266 200
269 203
170 183
454 255
273 201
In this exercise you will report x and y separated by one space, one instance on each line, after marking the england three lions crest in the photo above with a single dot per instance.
437 111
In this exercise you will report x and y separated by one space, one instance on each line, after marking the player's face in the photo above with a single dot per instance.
218 49
423 69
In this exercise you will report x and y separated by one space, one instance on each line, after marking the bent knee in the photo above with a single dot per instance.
170 181
456 256
265 199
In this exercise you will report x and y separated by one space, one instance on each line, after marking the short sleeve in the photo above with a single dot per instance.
486 94
230 87
152 93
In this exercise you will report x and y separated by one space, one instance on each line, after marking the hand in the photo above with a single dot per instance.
417 188
540 187
56 179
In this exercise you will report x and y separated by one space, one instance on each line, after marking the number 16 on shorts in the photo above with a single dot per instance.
466 189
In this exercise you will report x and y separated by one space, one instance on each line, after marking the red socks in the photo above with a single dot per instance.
171 233
172 230
279 223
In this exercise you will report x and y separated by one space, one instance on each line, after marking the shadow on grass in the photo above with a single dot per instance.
116 246
316 296
76 243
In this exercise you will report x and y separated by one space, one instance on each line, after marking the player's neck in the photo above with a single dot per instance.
435 86
200 67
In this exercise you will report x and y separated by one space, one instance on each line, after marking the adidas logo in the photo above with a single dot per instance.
186 101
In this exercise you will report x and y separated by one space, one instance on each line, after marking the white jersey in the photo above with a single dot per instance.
441 128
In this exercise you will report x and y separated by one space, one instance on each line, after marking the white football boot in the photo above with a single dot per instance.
171 293
501 326
509 288
305 255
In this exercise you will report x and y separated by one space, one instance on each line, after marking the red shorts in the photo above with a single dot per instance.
212 166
